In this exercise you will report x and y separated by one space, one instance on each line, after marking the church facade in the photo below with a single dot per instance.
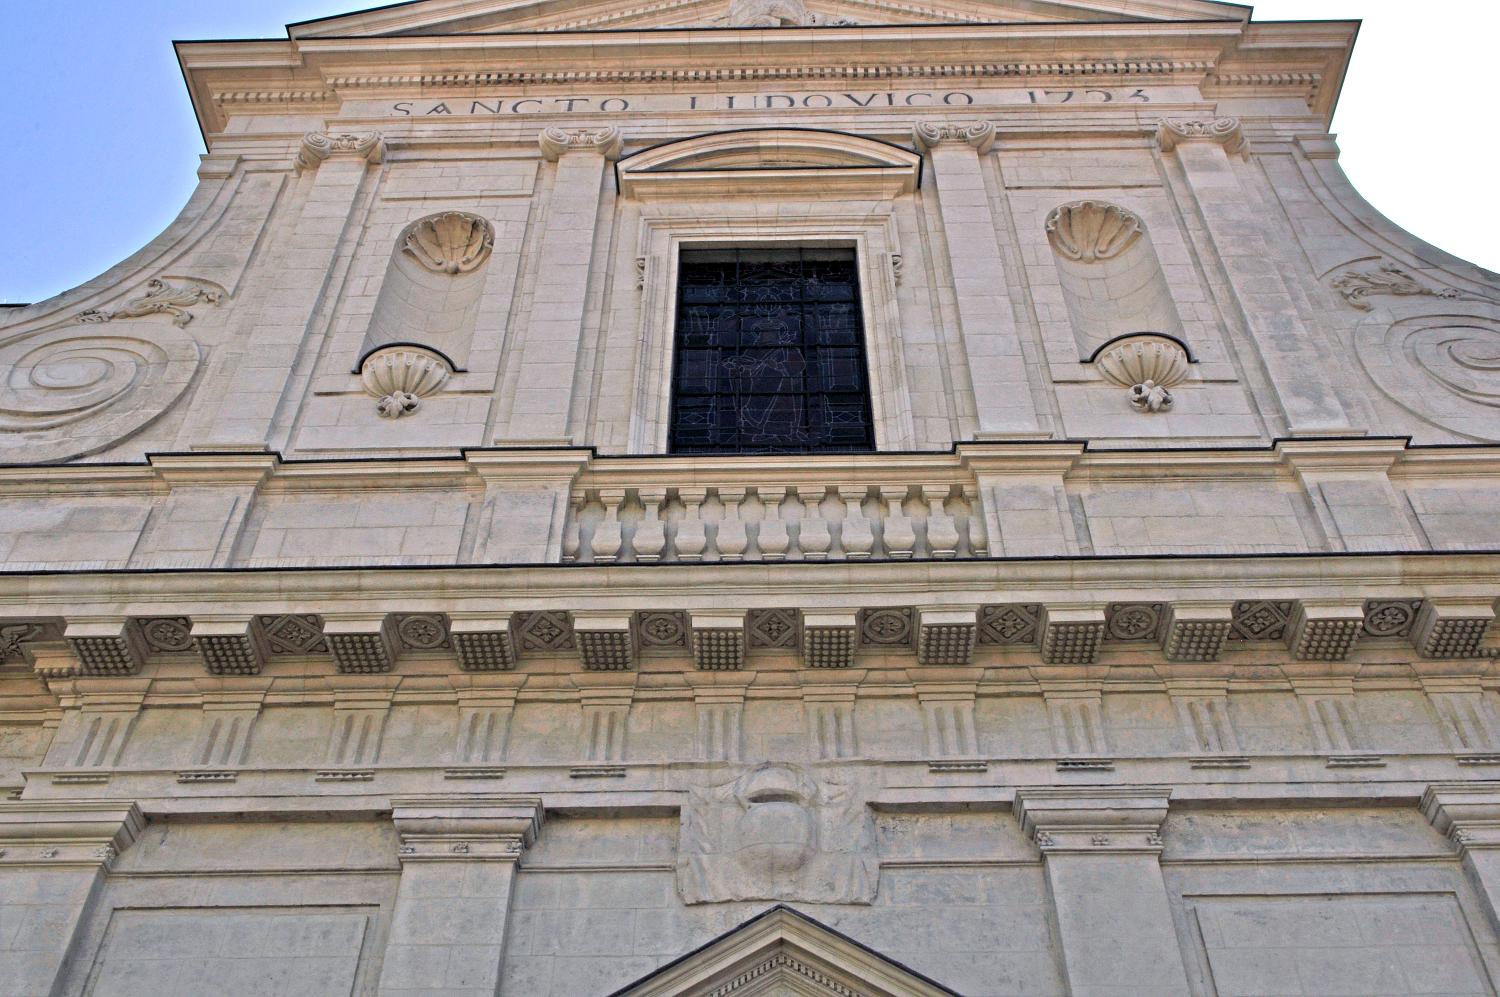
729 497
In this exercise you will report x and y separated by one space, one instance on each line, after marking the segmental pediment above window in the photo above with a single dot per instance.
771 160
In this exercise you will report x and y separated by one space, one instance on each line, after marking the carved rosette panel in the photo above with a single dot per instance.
70 391
1092 231
1444 368
454 242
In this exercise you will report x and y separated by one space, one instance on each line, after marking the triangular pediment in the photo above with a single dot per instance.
781 952
458 17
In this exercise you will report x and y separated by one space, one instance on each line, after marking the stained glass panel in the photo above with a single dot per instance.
770 354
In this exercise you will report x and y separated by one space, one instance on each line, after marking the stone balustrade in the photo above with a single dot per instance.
714 510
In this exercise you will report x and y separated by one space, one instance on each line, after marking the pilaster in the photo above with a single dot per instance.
257 375
53 859
987 324
1468 814
459 856
549 354
525 504
1293 364
1101 848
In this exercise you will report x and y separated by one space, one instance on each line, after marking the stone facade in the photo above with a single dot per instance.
360 632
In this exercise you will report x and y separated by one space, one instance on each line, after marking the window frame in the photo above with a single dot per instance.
669 228
808 350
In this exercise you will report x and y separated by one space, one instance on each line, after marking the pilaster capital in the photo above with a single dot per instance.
465 828
1467 813
558 142
318 146
979 134
1226 131
64 834
1094 820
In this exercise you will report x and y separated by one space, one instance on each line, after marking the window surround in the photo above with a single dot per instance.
871 234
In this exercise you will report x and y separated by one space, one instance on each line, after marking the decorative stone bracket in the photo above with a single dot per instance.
401 375
1147 366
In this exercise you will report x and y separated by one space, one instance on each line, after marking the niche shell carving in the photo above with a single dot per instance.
452 243
1091 231
399 377
1148 366
775 833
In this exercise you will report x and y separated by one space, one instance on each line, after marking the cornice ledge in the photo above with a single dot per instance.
1031 71
51 833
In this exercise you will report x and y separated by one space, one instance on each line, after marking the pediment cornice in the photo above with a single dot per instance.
429 17
316 73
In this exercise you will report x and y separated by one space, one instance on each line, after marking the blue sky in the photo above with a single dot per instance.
101 145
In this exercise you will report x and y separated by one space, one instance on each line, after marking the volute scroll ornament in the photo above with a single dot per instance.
1148 366
1172 132
557 142
74 389
454 242
319 146
1092 231
979 134
161 298
1358 285
401 375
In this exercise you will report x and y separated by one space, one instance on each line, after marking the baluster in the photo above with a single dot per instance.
607 536
773 538
942 529
732 538
978 543
900 534
651 533
813 536
857 536
691 535
572 529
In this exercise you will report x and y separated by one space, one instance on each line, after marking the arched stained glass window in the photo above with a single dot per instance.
770 354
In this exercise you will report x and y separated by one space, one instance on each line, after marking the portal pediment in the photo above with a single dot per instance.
459 17
782 952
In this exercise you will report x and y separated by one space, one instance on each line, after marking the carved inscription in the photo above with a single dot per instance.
778 101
